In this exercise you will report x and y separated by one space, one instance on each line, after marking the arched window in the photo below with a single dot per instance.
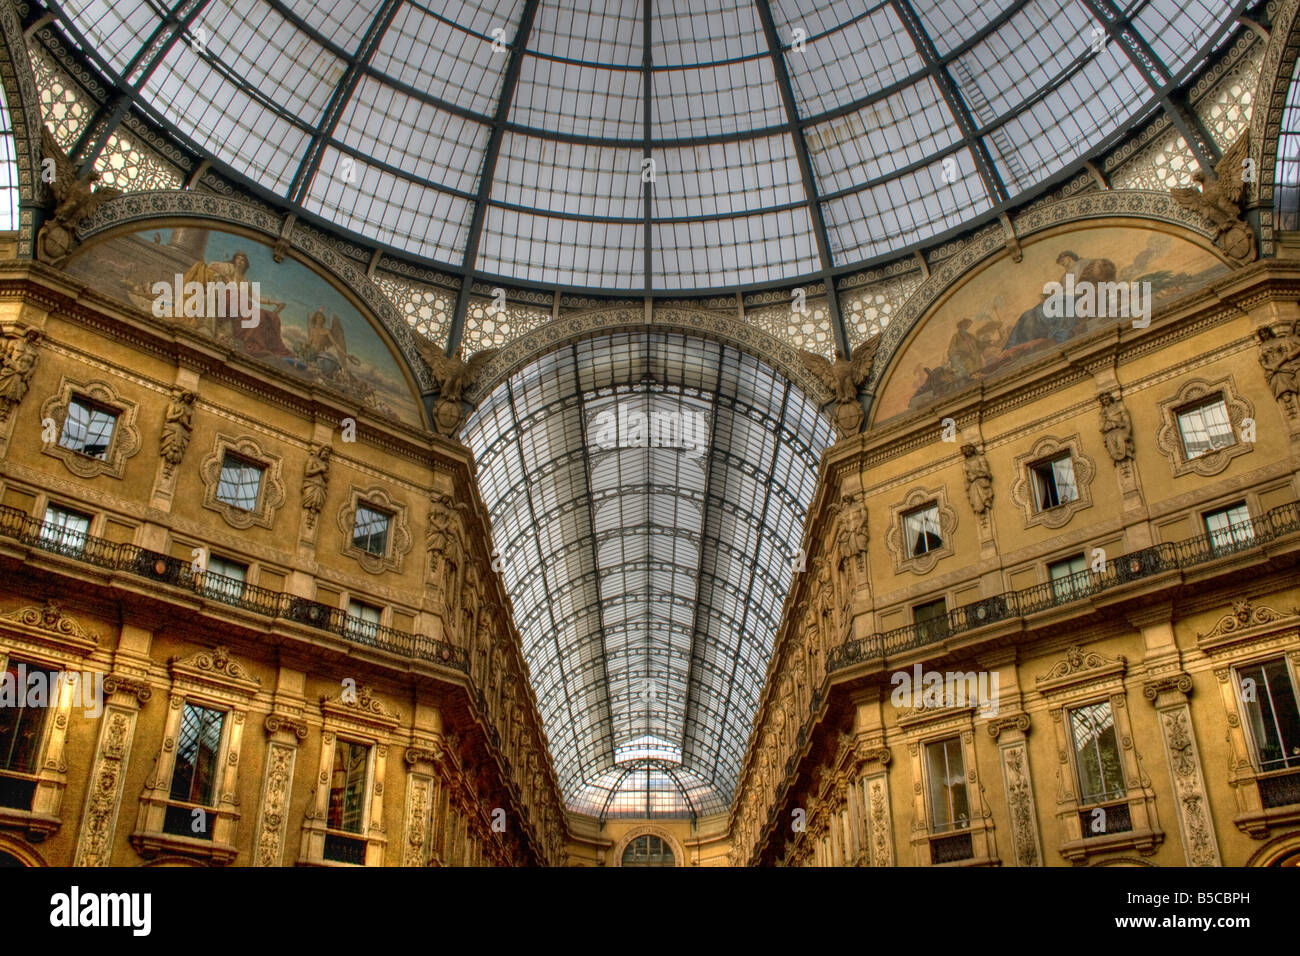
1286 195
648 850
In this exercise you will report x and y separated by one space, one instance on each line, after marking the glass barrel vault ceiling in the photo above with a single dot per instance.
647 581
404 122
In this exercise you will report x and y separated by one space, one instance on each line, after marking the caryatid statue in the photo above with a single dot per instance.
1116 428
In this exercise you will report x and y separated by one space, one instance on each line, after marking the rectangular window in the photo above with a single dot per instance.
370 532
931 618
241 482
225 578
65 530
1229 526
88 428
363 620
1069 577
1205 427
1096 754
348 786
921 531
22 726
946 771
194 779
1054 482
1269 699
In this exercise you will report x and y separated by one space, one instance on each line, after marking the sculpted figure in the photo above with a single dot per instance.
178 425
16 370
979 480
1279 355
1116 428
315 480
844 377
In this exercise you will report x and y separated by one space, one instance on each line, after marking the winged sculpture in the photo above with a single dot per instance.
843 378
453 375
76 198
1220 201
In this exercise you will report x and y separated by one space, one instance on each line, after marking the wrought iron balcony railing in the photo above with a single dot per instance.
1169 556
164 569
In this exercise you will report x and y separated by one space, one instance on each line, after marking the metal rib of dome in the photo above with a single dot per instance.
648 575
506 140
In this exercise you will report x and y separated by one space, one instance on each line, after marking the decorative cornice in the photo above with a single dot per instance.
1079 666
1179 681
1020 722
276 721
50 618
115 683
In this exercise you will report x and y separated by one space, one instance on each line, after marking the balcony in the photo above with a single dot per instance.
1157 559
164 569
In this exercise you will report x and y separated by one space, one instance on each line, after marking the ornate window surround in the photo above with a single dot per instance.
894 540
125 441
679 852
362 719
1086 677
212 679
1022 489
1250 634
1169 440
926 725
269 497
399 531
46 636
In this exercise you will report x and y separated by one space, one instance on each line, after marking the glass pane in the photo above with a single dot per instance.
240 483
195 775
1270 702
1096 753
1205 428
88 429
1063 471
947 778
65 530
347 786
1229 526
370 532
21 725
921 529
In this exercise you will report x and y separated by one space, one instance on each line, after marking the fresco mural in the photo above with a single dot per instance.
1003 314
303 325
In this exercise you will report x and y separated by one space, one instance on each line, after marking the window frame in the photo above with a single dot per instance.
1235 538
242 460
388 516
951 741
59 539
1197 406
1291 762
1035 471
93 407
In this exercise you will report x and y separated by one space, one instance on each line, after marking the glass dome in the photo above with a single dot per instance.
629 145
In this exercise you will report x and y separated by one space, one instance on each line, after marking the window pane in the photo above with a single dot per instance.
1271 711
921 529
1096 754
88 429
65 530
947 778
1063 470
370 533
1068 576
195 775
1205 428
240 483
225 578
21 726
347 786
1229 526
363 619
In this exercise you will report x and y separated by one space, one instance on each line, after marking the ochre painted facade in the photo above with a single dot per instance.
1157 628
